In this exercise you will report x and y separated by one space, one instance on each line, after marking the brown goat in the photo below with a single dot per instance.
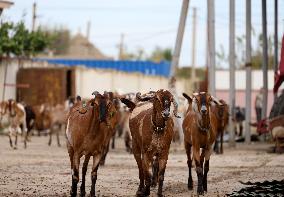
222 114
199 127
16 115
89 128
151 127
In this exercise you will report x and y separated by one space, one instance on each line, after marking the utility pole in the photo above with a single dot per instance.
264 60
179 38
248 71
193 72
275 39
34 16
176 57
232 72
88 32
211 45
121 47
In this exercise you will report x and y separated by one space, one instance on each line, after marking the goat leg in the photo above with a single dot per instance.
206 169
155 170
16 141
75 176
57 135
189 164
162 168
96 162
221 143
138 159
84 171
199 171
147 175
10 139
50 137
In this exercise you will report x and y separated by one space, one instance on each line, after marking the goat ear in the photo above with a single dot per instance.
189 99
215 100
128 103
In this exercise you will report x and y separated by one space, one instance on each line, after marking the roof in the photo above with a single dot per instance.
81 47
144 67
5 4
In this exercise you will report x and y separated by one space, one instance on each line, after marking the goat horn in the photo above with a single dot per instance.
195 94
175 108
144 97
216 100
95 93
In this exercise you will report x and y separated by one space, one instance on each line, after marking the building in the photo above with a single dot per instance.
223 85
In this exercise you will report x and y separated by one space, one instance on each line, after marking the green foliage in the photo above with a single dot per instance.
185 72
157 55
256 53
6 44
17 40
160 54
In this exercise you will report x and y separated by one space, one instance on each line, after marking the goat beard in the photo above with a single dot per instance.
204 121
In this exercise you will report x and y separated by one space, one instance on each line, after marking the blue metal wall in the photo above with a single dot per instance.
145 67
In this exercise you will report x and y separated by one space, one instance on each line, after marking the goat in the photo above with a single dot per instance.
16 118
222 114
199 127
151 127
88 130
58 116
42 118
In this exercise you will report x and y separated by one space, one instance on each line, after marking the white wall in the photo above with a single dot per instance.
11 79
89 80
223 79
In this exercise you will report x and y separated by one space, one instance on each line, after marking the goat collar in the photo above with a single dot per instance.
204 129
157 128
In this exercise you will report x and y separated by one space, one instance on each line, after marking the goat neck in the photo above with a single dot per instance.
11 108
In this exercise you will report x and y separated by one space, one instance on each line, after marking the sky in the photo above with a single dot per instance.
145 23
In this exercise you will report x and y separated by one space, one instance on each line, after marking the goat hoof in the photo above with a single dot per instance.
139 193
15 148
73 194
200 191
146 191
82 193
190 185
153 183
160 195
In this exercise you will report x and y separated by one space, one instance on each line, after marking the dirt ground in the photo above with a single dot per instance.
41 170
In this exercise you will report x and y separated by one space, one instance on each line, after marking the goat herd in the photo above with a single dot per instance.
90 125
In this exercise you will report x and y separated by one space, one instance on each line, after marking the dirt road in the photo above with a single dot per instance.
44 171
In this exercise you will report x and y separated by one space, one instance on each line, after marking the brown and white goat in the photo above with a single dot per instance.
151 126
222 114
199 127
89 128
16 115
58 115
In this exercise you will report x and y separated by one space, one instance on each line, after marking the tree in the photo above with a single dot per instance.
160 54
16 40
256 54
